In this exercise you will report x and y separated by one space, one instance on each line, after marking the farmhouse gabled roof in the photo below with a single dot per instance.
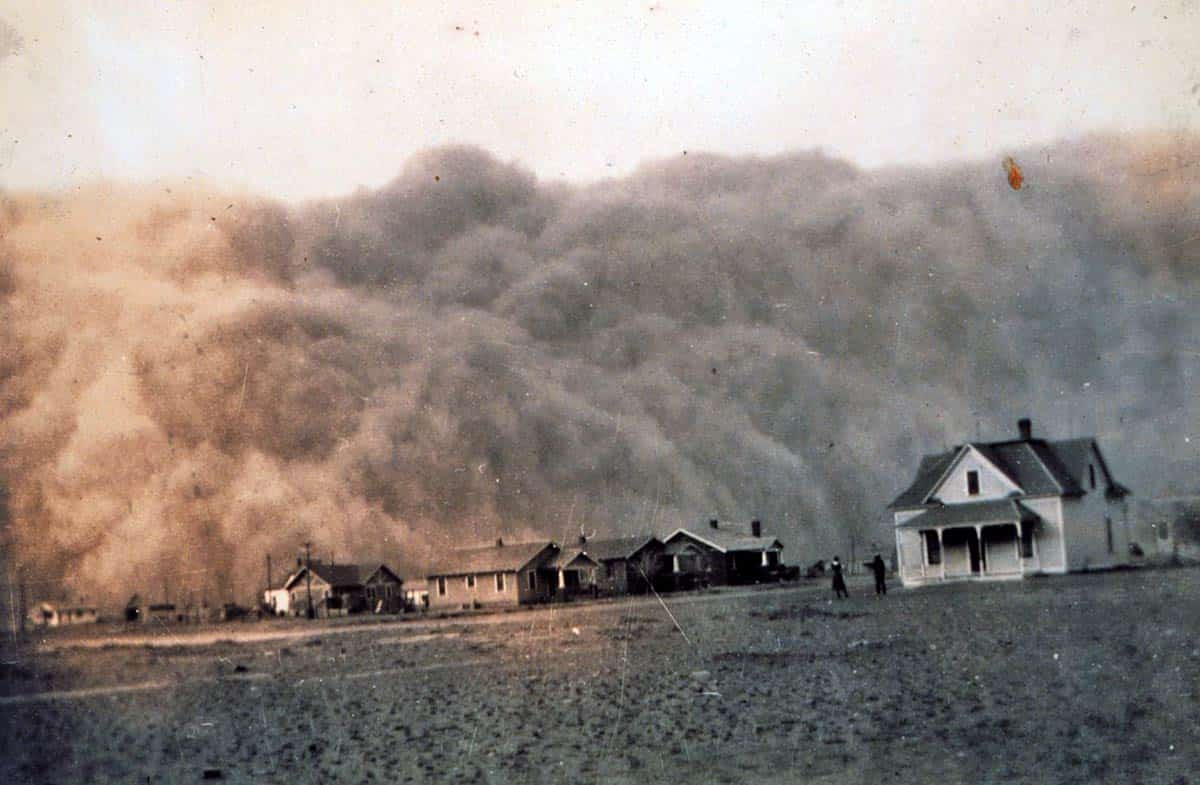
620 548
368 571
1074 455
497 558
1036 466
728 541
994 511
928 474
569 556
336 575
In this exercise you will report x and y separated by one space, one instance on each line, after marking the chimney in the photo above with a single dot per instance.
713 523
1025 425
756 528
499 542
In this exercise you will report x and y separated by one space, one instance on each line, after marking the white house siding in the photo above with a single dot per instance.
992 484
910 551
1048 536
278 600
1086 532
1002 553
461 595
1048 548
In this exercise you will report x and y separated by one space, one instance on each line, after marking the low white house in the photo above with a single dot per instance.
504 574
1008 509
279 601
49 614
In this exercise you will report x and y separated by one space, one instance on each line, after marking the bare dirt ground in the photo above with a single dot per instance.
1079 679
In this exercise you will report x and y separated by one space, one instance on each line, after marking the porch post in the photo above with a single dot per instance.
979 545
562 582
941 554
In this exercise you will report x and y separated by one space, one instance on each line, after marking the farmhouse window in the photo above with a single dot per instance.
1108 532
470 581
532 580
972 483
441 587
1027 541
499 581
933 548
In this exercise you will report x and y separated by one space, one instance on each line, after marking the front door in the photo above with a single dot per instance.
1000 547
960 552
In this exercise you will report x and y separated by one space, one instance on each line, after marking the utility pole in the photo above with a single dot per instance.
270 585
308 577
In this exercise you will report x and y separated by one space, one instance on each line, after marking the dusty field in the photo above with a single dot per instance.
1078 679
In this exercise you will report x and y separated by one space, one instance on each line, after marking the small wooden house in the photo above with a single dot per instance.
341 589
502 574
721 554
627 565
382 589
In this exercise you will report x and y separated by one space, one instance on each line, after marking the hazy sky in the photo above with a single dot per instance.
299 100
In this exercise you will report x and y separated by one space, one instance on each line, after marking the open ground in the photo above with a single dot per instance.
1084 678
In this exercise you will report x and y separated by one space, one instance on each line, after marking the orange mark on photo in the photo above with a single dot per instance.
1015 178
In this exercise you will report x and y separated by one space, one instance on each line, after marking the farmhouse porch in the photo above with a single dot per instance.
971 541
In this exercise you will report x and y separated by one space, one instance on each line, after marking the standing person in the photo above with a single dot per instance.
880 569
839 583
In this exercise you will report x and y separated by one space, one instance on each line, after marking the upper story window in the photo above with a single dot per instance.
441 587
499 581
470 581
972 483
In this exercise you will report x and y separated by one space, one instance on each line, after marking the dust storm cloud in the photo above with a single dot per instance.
192 379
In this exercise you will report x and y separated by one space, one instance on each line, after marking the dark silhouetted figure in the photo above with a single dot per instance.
839 583
880 569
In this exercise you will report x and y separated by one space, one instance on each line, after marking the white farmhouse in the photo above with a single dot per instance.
1009 509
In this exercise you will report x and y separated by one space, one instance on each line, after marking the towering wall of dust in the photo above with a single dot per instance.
190 380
